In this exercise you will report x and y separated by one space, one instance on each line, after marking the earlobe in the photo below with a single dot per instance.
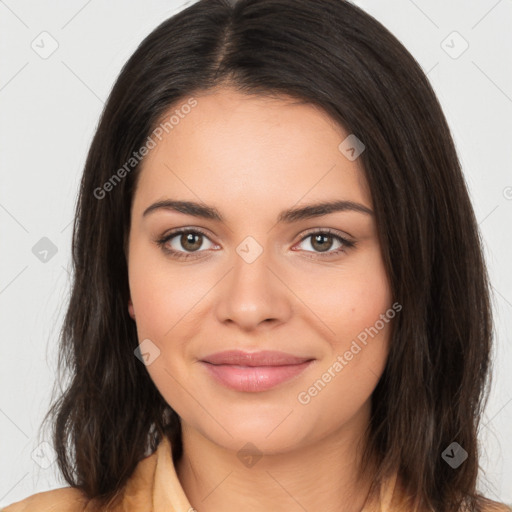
130 309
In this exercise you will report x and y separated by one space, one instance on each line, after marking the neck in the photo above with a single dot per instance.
323 475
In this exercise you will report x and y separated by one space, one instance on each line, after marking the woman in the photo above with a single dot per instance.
279 300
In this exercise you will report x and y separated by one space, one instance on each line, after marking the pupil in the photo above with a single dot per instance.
317 239
189 238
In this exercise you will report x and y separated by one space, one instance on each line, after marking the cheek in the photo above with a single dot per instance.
360 316
351 299
163 300
357 307
365 301
160 292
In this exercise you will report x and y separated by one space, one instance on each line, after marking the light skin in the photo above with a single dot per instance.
252 157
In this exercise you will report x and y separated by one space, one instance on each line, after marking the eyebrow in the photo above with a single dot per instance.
286 216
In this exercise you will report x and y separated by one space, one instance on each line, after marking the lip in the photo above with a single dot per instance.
254 371
261 358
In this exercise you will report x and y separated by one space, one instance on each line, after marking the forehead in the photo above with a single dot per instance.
255 148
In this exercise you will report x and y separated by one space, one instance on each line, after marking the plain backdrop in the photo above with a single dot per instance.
50 105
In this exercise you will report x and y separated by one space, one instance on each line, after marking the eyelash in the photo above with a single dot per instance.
347 244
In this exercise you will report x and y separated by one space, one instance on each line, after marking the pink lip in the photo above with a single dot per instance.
254 371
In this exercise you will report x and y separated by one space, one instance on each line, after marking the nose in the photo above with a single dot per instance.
254 292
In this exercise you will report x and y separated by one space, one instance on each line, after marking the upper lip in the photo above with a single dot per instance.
262 358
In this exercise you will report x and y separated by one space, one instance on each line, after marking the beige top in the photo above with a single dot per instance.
154 487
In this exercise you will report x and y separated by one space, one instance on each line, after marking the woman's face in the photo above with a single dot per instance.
258 280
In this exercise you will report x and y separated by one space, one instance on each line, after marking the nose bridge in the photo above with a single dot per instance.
252 293
251 263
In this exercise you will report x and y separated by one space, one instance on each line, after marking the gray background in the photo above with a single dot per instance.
50 108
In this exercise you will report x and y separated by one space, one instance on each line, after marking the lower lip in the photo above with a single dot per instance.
254 378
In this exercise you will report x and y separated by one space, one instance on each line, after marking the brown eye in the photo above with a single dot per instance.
322 241
181 244
191 241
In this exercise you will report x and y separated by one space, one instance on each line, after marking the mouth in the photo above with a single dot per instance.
254 371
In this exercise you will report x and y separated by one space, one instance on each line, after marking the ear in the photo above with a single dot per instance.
130 309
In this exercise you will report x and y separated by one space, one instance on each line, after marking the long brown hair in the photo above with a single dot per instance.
331 54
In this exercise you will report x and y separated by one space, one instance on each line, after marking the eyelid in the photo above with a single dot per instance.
334 232
347 242
170 234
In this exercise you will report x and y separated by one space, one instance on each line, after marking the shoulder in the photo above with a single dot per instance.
135 495
65 499
394 499
490 506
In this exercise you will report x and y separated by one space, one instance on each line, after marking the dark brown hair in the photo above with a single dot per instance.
331 54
